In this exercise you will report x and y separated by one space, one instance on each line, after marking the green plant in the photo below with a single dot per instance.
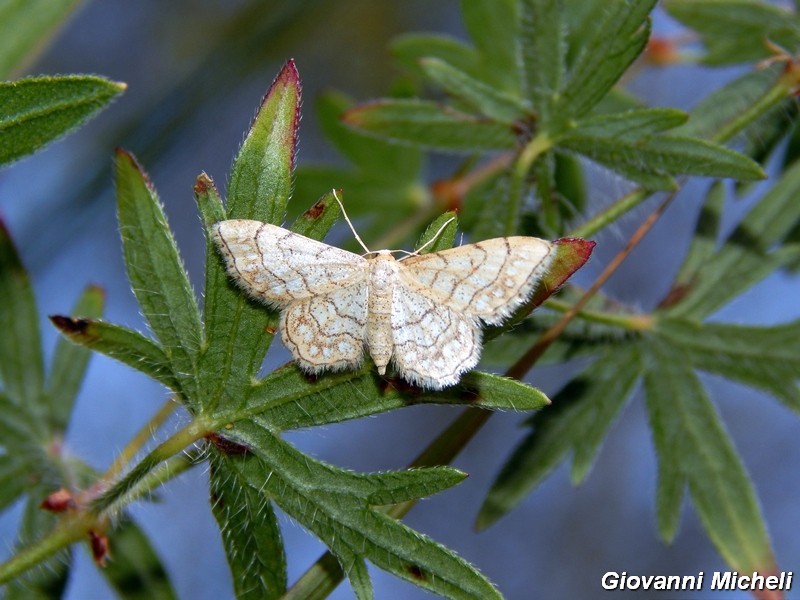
521 108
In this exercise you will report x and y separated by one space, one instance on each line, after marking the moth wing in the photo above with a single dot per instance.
488 279
277 266
327 331
433 344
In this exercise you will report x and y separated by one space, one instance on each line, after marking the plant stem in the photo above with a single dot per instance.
535 148
611 213
71 530
180 440
628 322
76 527
140 439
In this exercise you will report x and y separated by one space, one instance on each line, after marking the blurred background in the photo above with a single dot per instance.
196 71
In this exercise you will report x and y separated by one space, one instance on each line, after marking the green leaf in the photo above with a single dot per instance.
767 358
543 50
333 504
735 31
718 115
125 345
368 155
605 55
69 363
261 177
238 328
25 27
409 48
744 259
20 430
581 415
394 487
21 367
49 580
250 533
478 95
37 110
381 174
493 26
134 570
14 471
316 222
654 160
694 449
629 125
429 125
500 209
286 399
440 234
157 275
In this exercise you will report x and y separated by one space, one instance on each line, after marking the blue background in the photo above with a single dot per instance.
561 540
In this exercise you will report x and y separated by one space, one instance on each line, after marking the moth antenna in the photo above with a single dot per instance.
353 229
433 239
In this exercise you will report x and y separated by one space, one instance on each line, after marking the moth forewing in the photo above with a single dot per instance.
278 266
488 279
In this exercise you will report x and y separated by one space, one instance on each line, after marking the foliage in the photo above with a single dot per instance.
526 102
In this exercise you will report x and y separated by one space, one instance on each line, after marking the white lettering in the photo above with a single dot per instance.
610 581
721 581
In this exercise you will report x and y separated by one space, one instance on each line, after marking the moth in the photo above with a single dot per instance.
422 312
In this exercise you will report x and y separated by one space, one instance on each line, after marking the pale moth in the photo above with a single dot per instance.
421 312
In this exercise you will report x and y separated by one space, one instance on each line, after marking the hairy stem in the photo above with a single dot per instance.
639 322
140 439
180 440
75 527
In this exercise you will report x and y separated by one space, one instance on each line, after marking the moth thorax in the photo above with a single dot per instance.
384 273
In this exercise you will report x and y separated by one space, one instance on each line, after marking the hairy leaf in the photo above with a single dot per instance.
629 125
718 115
285 399
614 43
261 177
125 345
429 125
37 110
543 49
579 419
21 366
653 160
440 234
134 570
767 358
694 450
478 95
745 258
250 533
492 25
157 275
25 26
735 31
334 505
408 49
